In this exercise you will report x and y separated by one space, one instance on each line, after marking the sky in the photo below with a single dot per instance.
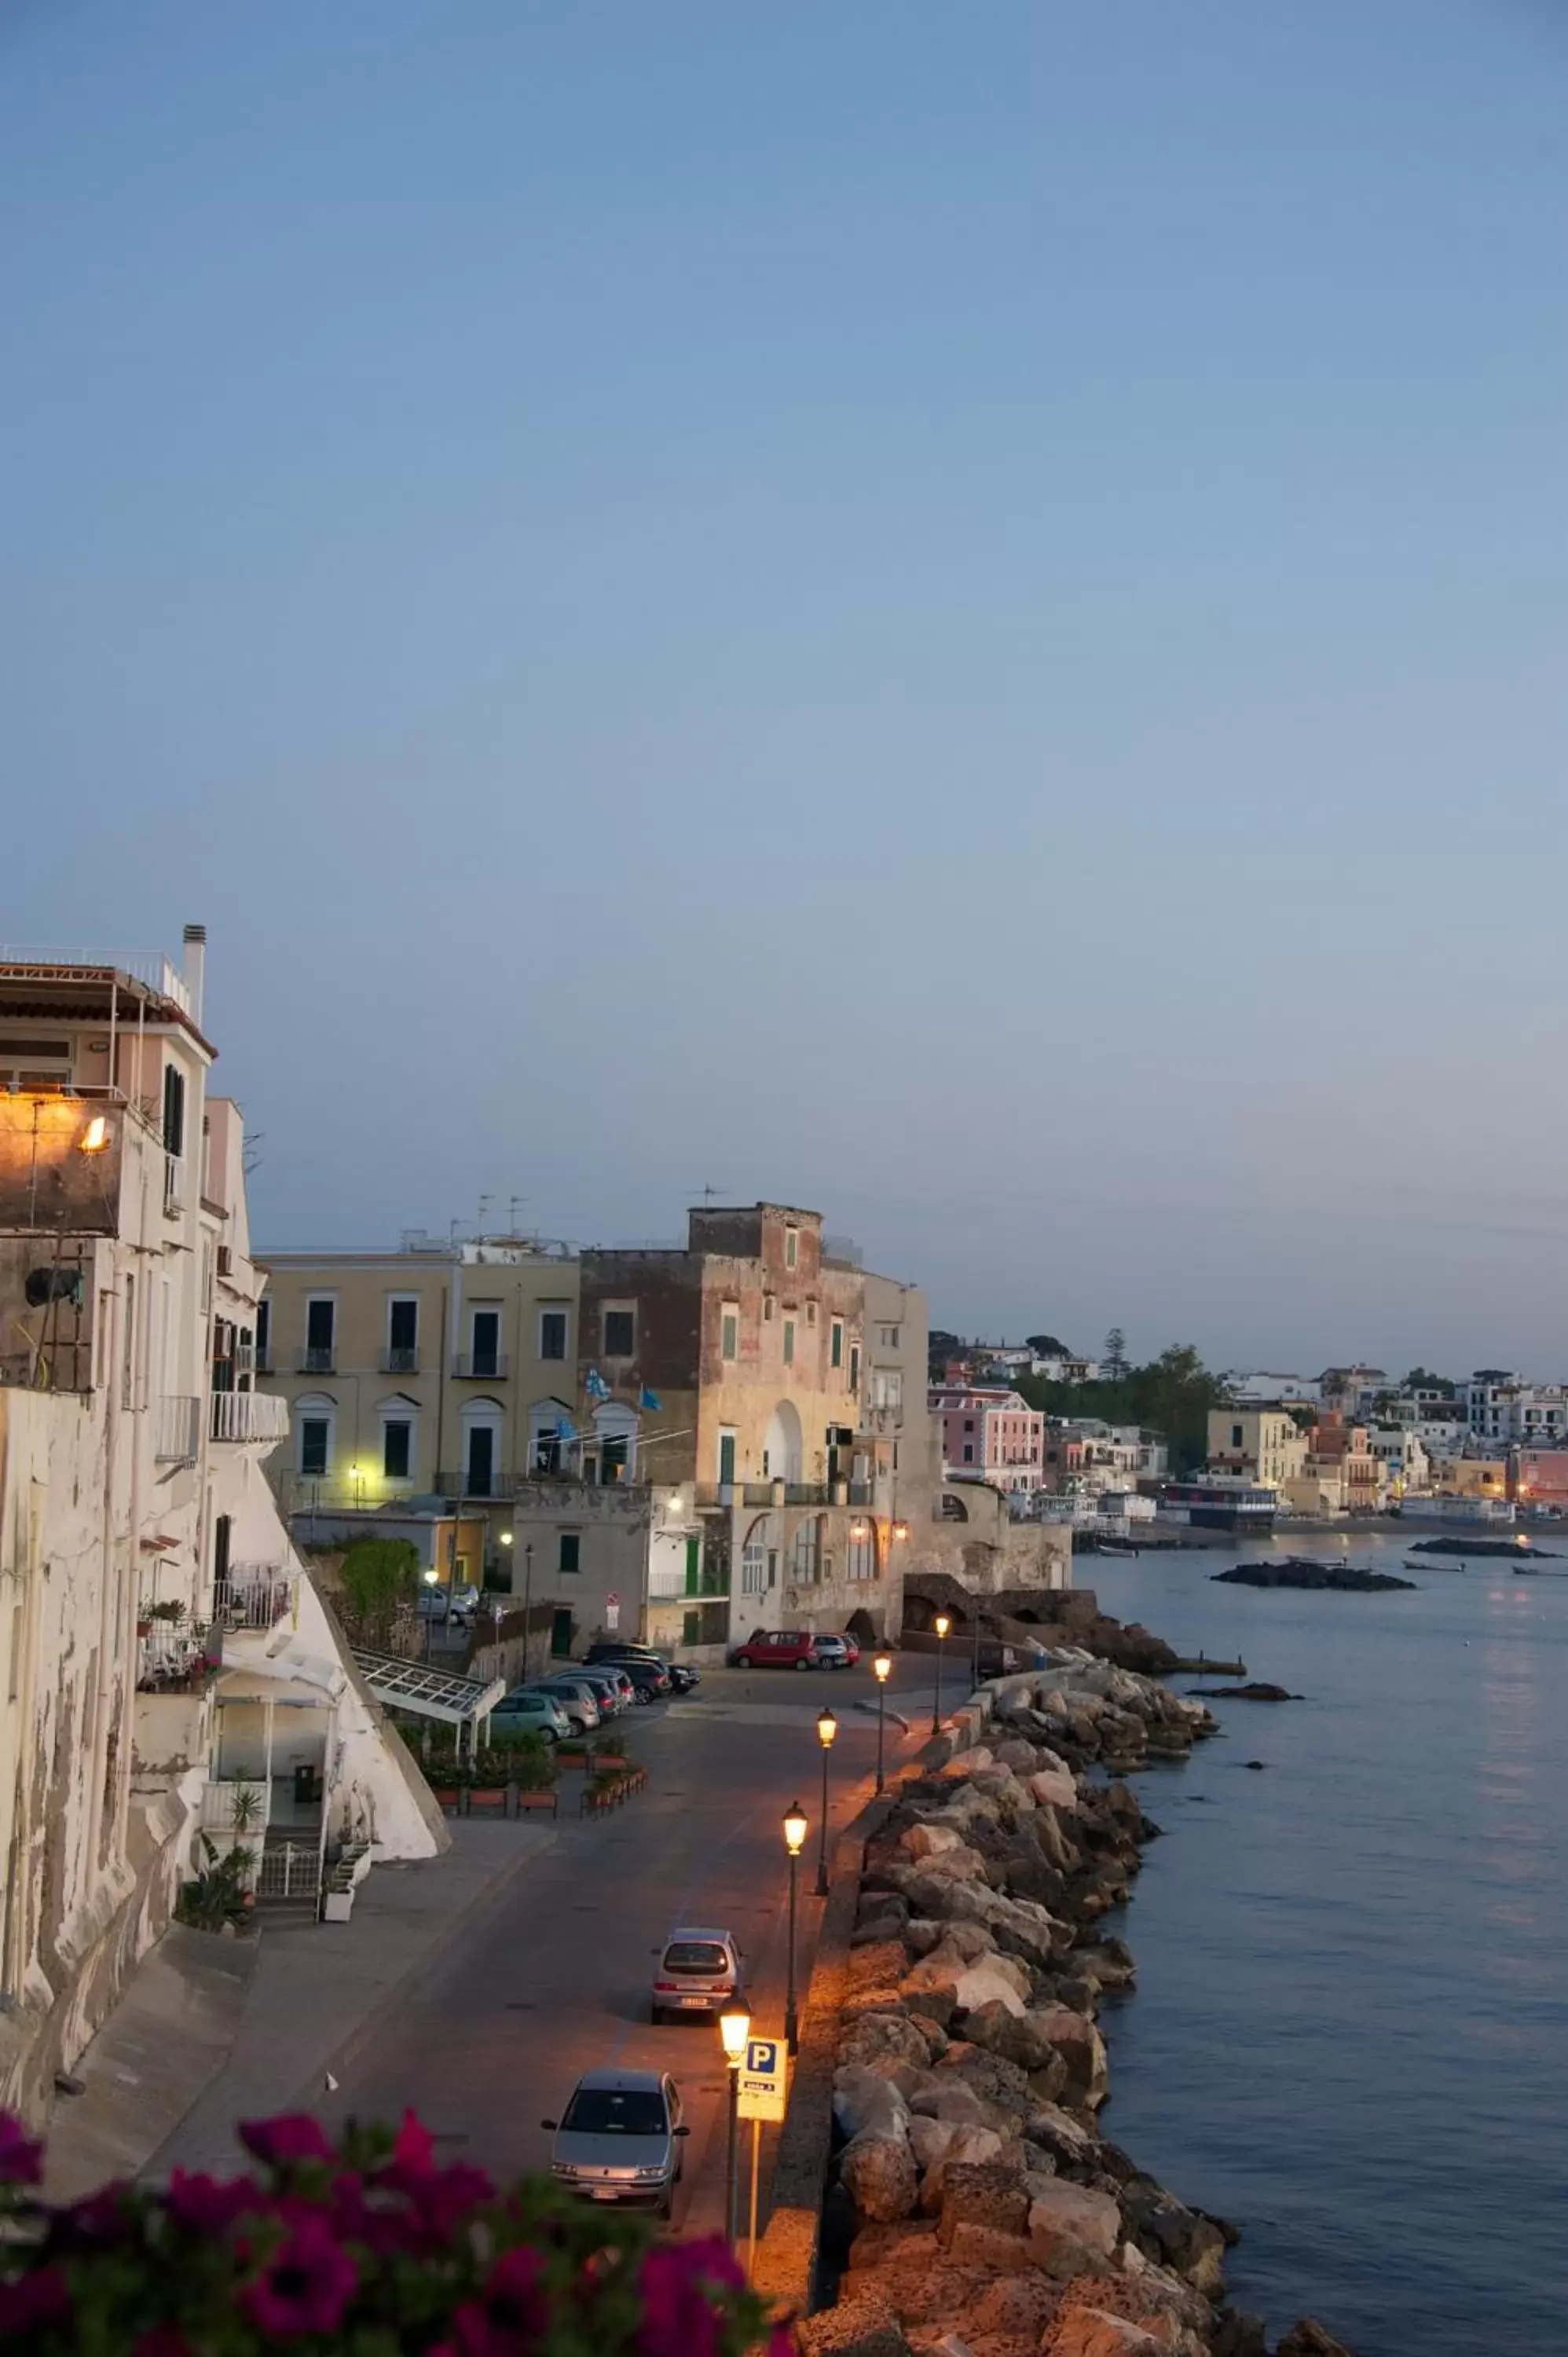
951 614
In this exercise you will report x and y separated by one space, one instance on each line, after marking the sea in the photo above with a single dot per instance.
1351 2030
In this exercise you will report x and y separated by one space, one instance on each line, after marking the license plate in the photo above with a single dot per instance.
604 2193
692 2000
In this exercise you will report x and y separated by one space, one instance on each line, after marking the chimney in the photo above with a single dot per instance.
195 962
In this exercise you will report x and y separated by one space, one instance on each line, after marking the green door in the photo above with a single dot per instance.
694 1566
726 1457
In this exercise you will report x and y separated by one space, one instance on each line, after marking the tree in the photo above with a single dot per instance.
942 1346
1046 1345
1113 1360
1170 1397
1421 1379
380 1582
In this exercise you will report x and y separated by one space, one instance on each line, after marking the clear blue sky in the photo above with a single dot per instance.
953 614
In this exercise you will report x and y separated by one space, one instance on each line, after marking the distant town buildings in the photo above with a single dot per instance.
989 1434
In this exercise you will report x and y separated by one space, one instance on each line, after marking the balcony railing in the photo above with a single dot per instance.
400 1359
260 1417
480 1366
174 1184
177 1428
254 1596
316 1359
149 967
473 1483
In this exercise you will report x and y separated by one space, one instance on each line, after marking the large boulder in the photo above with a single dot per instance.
1070 2145
1175 2236
1001 2085
1053 1788
865 2102
1079 2042
1067 2219
1021 2038
928 1839
1090 2332
1015 2309
864 2326
1307 2337
877 2171
984 2193
934 2142
880 2039
1019 1926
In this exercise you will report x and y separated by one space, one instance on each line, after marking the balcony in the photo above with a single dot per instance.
149 967
254 1596
476 1483
480 1366
174 1184
259 1418
176 1430
400 1360
316 1359
677 1586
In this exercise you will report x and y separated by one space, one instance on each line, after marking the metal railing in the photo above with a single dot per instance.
289 1870
254 1596
400 1360
481 1366
257 1416
176 1430
472 1483
149 967
316 1359
173 1183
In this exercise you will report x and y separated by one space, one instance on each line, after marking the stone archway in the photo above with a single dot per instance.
783 1449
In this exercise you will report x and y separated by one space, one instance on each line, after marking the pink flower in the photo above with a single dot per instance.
442 2199
415 2149
35 2298
306 2285
161 2341
209 2205
678 2280
513 2315
293 2136
21 2156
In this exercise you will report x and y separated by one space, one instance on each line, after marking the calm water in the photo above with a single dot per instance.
1351 2028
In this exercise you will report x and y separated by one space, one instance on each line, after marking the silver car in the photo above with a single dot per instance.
619 2138
576 1698
700 1971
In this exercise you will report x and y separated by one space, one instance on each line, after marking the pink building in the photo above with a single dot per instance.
989 1434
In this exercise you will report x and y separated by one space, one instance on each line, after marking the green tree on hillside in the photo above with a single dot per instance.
1170 1397
380 1583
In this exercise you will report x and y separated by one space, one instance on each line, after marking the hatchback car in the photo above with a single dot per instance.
527 1711
616 1687
612 1650
576 1698
850 1646
779 1649
832 1652
619 2138
700 1971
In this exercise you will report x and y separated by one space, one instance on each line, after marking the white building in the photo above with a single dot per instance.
1502 1411
141 1562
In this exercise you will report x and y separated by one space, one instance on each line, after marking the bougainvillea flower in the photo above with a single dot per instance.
21 2156
306 2285
37 2298
293 2136
677 2281
209 2205
511 2316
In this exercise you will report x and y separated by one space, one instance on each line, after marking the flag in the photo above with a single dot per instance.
565 1428
594 1385
650 1402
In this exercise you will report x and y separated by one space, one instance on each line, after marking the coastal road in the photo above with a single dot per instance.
554 1979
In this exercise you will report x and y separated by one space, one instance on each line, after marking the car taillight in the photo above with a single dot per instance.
666 1985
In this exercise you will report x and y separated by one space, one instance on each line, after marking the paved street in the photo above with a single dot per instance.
555 1977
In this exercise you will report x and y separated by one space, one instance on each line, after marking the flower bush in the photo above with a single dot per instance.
366 2247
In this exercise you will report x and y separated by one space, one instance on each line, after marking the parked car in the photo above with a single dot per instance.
576 1698
833 1653
526 1710
612 1649
459 1608
850 1645
619 2138
649 1680
607 1692
778 1648
700 1971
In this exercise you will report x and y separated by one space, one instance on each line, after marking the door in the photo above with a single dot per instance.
480 1479
726 1457
561 1627
222 1530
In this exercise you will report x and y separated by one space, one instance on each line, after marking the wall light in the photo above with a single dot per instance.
94 1137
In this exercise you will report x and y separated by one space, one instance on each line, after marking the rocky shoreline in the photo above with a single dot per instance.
978 2211
1309 1571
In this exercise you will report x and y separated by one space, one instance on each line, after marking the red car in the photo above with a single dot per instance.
778 1648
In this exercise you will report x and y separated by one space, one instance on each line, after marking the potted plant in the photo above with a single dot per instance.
245 1808
487 1789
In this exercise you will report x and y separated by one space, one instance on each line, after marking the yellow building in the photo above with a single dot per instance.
1262 1443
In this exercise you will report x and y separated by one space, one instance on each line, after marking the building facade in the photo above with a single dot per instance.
1261 1443
989 1432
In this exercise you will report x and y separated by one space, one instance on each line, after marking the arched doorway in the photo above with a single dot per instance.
783 1451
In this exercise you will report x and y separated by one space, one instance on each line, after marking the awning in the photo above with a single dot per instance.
428 1692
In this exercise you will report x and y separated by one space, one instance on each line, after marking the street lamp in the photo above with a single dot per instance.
527 1601
794 1842
734 2029
432 1578
942 1624
827 1727
883 1666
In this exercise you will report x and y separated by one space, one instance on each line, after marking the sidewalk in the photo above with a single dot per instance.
210 2032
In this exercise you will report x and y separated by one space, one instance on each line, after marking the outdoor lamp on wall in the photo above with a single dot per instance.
506 1537
900 1530
94 1137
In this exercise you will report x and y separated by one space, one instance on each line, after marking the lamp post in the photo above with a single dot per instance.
431 1578
883 1666
827 1727
734 2029
794 1842
527 1601
942 1624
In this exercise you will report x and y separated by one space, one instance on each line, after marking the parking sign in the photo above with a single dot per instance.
764 2079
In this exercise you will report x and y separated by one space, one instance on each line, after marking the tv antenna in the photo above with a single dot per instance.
709 1193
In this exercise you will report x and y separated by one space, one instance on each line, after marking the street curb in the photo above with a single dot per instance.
397 1992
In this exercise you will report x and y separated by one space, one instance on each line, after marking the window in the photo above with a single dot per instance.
571 1551
553 1333
806 1566
855 1366
486 1343
403 1334
810 1313
753 1562
835 1345
887 1388
968 1452
969 1423
264 1335
860 1560
792 1247
767 1309
726 1457
729 1332
174 1109
1235 1435
321 1327
128 1346
887 1337
397 1449
789 1342
620 1333
315 1446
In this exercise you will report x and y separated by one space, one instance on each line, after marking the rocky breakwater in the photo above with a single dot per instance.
985 2213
